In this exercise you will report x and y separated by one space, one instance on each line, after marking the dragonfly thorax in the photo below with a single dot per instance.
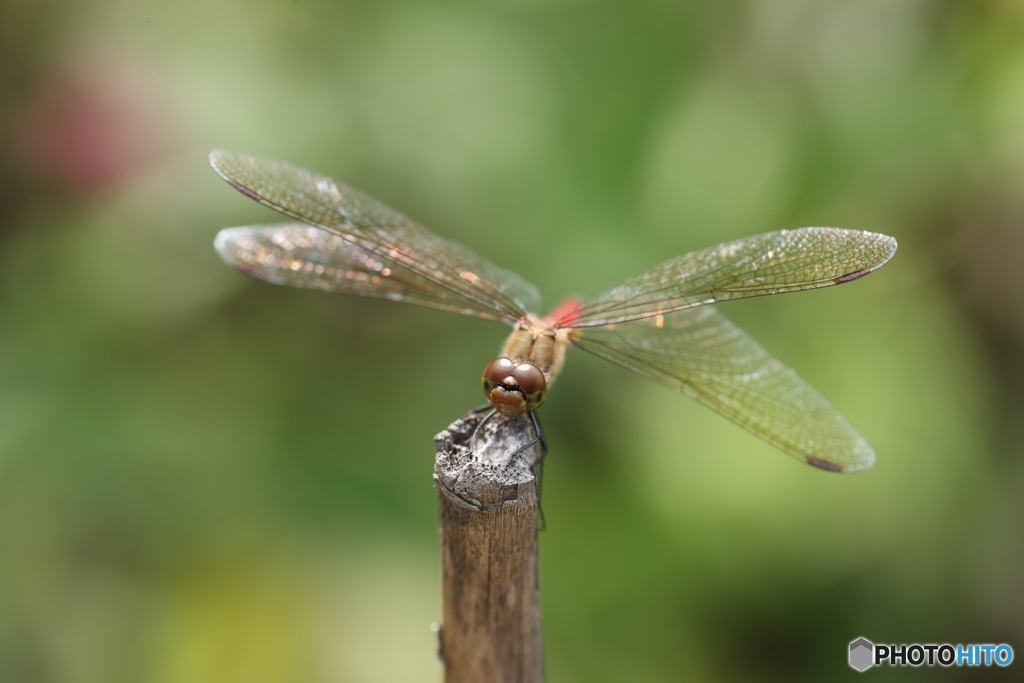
530 359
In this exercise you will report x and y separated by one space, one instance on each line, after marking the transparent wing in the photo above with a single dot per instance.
700 353
299 255
383 233
775 262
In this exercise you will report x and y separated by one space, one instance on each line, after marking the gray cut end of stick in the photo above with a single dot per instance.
489 477
490 591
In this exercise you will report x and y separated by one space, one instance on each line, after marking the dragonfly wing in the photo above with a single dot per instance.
700 353
772 263
299 255
381 231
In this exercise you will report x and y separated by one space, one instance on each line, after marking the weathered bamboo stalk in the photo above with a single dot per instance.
488 508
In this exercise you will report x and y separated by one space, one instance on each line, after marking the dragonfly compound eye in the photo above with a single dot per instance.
531 381
530 378
496 371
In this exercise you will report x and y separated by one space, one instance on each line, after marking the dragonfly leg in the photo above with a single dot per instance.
472 439
537 467
451 490
469 453
539 432
538 473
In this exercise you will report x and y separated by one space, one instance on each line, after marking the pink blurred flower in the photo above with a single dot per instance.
90 122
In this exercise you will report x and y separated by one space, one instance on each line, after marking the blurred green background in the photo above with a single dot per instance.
204 478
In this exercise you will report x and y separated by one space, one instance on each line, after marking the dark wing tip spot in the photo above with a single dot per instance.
244 190
823 465
849 277
217 161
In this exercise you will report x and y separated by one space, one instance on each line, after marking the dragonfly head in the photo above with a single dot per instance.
513 388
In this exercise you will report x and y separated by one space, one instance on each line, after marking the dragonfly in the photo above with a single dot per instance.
660 324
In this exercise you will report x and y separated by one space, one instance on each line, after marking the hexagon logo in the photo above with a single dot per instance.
862 654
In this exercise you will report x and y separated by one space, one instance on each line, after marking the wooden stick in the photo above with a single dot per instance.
490 591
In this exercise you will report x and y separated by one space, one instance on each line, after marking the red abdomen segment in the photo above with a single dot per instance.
566 314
